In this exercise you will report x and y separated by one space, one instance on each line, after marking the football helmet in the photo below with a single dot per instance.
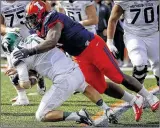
10 41
36 11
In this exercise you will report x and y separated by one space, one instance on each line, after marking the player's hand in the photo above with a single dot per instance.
111 47
21 54
5 45
10 71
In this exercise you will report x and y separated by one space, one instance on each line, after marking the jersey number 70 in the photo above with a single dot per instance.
146 14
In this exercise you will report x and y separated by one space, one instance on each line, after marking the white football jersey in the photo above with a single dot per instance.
14 15
50 64
76 11
140 17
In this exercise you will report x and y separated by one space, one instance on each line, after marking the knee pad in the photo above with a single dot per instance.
140 72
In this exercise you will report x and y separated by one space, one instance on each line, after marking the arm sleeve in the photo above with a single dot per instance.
89 2
22 72
123 4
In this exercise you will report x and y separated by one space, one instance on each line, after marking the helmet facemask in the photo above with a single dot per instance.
32 22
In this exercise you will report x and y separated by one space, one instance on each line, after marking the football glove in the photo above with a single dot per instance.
5 45
111 47
24 53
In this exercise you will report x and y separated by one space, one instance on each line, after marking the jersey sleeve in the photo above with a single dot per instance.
89 2
123 4
50 21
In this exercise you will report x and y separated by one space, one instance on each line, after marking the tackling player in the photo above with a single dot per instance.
83 12
90 51
141 34
65 74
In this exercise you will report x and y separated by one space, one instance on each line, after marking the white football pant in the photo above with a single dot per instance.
61 91
143 49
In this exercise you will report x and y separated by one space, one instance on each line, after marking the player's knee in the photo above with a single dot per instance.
140 72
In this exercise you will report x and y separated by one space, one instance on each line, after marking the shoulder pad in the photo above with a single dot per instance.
51 16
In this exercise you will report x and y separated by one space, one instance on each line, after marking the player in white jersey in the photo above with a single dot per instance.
13 19
64 73
141 35
83 12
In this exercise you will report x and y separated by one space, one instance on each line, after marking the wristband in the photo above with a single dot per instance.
8 29
109 41
32 51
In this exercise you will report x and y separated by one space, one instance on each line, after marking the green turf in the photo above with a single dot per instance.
24 116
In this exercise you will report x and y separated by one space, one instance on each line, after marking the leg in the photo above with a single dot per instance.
105 62
152 43
22 98
41 88
137 52
95 78
59 93
91 73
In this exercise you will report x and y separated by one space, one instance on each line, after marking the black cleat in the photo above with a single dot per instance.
112 118
84 117
41 88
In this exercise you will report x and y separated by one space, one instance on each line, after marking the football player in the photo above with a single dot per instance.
65 74
83 12
141 34
90 51
12 18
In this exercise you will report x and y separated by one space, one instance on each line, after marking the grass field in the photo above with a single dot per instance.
24 116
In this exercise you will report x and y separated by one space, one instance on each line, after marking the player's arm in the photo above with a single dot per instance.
22 71
92 16
116 12
3 27
50 42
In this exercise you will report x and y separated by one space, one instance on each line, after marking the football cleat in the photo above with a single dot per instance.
138 108
41 88
21 102
112 118
153 102
84 117
155 106
102 121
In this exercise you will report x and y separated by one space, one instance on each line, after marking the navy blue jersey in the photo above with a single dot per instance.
73 36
